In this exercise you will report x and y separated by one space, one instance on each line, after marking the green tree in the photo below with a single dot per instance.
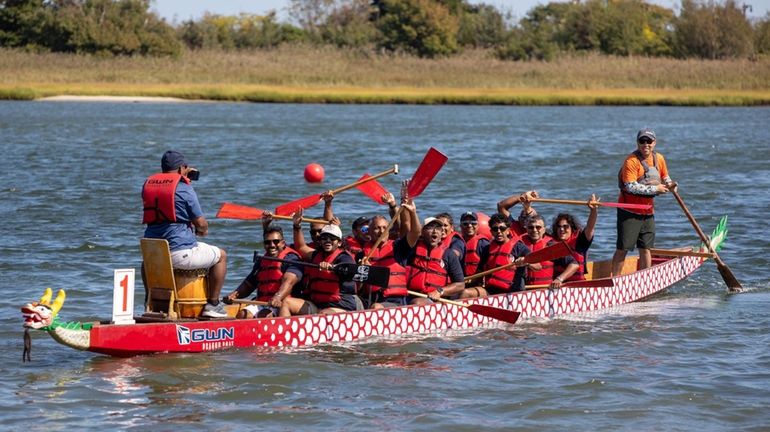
349 24
421 27
762 35
23 23
712 31
481 26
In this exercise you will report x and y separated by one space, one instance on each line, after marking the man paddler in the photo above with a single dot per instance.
501 251
432 269
474 242
643 176
172 212
272 280
383 255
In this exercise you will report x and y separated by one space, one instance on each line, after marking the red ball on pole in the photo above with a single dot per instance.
314 173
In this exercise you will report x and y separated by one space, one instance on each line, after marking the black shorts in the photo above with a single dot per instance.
348 302
635 230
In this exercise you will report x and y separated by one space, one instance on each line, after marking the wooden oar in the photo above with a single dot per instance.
249 302
373 189
601 203
727 275
602 282
237 211
505 315
309 201
549 253
373 275
680 253
430 165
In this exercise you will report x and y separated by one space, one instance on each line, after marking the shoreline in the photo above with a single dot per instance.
126 99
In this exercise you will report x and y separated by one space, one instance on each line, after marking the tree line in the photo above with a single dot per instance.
705 29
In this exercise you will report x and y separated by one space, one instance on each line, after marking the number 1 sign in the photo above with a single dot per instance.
123 297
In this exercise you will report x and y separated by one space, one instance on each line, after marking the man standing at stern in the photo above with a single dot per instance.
642 177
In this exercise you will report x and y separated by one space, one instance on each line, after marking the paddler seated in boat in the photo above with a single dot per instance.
431 268
452 239
354 243
567 227
315 227
395 293
535 239
328 293
272 280
474 242
518 225
502 250
172 212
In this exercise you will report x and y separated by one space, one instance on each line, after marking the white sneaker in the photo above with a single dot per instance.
212 311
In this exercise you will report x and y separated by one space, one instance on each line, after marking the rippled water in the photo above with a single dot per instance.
691 358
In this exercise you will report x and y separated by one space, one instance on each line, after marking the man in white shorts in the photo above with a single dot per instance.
172 212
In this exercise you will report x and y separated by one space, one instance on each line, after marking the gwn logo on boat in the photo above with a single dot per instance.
186 336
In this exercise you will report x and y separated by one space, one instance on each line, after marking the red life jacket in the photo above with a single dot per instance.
427 271
324 286
270 275
472 258
352 245
384 257
544 275
559 267
158 197
499 255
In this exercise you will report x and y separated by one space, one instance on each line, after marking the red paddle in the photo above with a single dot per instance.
549 253
237 211
601 203
309 201
373 189
509 316
430 166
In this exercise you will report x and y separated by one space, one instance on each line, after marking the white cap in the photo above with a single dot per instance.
332 230
429 220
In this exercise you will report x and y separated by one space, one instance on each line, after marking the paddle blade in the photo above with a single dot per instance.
237 211
373 189
378 276
549 253
290 208
730 280
505 315
430 166
626 205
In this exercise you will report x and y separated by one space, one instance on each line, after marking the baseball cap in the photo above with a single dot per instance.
430 220
172 160
469 215
332 230
363 220
646 132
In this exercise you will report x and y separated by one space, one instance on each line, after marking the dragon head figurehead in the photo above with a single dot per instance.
42 313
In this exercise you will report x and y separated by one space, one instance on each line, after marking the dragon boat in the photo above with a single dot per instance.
181 335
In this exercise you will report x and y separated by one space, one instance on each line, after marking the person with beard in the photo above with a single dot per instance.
272 280
474 243
502 250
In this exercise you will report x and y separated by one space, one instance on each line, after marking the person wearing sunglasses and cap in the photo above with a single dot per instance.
172 212
272 280
355 242
643 176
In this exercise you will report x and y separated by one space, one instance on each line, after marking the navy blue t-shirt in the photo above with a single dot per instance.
180 235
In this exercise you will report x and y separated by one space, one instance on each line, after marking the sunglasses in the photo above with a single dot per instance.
326 237
273 242
644 140
468 223
535 227
563 227
501 228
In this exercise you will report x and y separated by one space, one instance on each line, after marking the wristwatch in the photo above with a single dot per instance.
440 291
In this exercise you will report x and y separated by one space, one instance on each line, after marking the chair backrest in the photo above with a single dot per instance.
157 264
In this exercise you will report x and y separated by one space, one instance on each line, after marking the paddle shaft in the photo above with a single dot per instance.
250 302
680 253
393 170
304 219
724 270
442 300
603 204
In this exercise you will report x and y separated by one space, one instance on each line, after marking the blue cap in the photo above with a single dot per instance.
172 160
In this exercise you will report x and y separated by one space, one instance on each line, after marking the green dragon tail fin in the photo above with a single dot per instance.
718 236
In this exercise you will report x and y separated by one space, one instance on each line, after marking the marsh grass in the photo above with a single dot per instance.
310 74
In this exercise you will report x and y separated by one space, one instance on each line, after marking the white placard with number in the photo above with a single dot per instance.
123 297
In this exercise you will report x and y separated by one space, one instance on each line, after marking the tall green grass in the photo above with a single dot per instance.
311 74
